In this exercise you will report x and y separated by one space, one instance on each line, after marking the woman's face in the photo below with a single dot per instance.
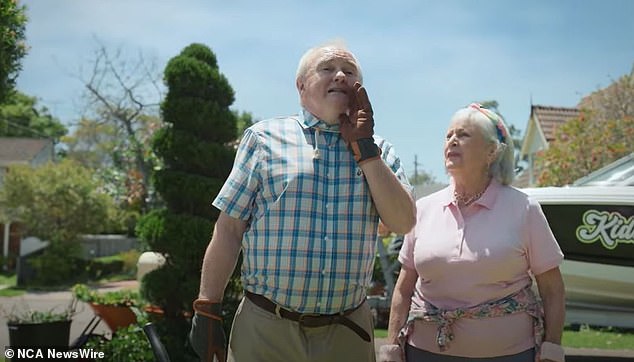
467 153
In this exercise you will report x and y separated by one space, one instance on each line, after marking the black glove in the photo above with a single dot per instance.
357 128
207 335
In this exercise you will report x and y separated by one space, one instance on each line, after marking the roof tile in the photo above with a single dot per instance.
17 149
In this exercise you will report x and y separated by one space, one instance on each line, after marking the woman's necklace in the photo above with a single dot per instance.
461 199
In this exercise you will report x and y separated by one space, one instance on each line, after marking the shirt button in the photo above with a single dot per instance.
326 238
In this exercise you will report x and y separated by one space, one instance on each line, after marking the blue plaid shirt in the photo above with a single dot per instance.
310 240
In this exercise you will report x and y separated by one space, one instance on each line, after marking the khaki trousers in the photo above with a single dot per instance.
260 336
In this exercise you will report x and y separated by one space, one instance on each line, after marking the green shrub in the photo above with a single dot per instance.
97 269
57 265
130 259
22 314
124 297
197 158
129 344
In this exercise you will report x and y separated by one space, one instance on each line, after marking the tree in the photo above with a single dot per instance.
601 135
21 117
123 96
244 120
57 203
12 44
197 154
613 102
97 145
583 145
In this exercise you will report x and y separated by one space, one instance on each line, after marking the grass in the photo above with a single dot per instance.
7 279
586 337
10 281
380 333
599 337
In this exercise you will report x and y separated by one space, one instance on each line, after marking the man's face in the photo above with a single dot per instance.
326 86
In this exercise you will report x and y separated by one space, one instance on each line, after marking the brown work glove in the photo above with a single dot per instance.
357 128
207 336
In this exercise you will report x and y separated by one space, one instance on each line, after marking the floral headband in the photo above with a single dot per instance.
497 120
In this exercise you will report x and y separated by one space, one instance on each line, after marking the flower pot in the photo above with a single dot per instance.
114 316
47 334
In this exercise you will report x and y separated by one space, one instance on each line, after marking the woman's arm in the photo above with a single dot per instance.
401 300
552 292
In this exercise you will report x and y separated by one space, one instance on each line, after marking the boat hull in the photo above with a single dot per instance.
594 227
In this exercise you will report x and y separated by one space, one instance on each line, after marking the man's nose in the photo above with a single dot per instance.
340 75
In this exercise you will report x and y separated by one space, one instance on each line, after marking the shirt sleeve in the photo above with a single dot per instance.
543 250
237 195
394 163
406 254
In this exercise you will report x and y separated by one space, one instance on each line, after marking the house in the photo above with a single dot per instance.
13 151
540 131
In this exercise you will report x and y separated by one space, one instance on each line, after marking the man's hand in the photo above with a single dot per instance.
207 336
357 127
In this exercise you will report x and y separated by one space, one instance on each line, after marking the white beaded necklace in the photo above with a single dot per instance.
460 199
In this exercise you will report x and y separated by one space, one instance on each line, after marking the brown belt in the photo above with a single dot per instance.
309 320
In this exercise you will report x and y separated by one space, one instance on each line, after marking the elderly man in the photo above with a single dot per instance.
303 203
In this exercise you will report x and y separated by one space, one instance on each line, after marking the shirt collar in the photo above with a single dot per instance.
487 199
308 120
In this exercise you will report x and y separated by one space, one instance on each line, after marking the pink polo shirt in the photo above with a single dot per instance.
482 254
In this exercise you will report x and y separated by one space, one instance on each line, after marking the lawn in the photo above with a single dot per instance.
8 284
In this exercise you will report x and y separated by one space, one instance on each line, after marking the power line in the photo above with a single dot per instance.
17 125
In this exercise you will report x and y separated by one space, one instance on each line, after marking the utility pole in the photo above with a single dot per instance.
416 167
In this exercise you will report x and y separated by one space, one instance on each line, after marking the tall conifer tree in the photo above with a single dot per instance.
195 147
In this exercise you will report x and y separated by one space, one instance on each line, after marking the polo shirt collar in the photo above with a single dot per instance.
486 200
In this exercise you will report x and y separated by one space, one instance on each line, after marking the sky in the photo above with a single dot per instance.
421 60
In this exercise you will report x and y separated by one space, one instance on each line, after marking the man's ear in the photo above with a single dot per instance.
300 85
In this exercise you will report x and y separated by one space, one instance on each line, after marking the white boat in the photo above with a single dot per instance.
594 226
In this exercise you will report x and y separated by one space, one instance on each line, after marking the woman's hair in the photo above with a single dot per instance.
308 57
494 131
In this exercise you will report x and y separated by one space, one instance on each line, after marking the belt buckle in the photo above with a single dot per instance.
304 318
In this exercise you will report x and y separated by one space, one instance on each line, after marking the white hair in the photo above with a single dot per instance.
306 60
503 167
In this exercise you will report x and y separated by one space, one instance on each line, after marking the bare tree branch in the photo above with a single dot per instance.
118 91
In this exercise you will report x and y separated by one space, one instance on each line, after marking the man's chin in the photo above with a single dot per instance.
340 103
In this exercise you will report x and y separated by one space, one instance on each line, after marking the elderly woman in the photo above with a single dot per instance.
464 292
